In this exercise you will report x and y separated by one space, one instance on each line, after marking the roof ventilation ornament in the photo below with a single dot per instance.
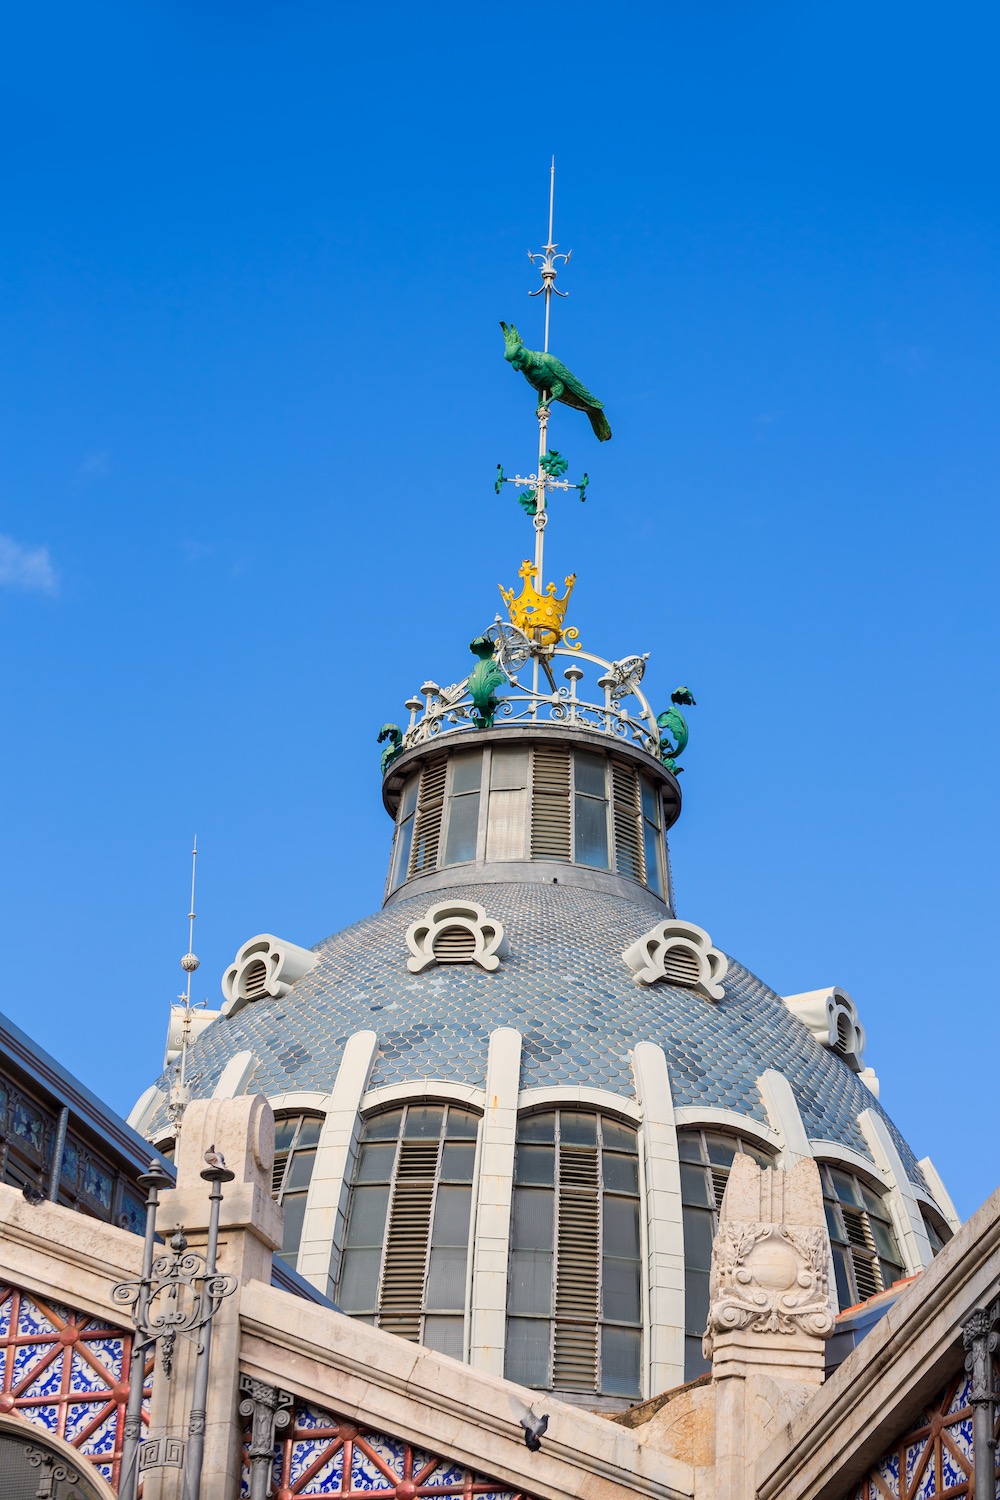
265 967
455 932
679 953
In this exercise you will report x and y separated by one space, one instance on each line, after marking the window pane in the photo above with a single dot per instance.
534 1164
875 1205
408 801
621 1227
834 1224
375 1163
530 1287
620 1362
367 1223
536 1128
531 1219
401 856
423 1123
457 1162
384 1127
309 1134
621 1290
300 1169
359 1281
694 1186
444 1335
696 1301
695 1363
509 770
446 1280
466 772
621 1173
650 802
884 1242
295 1212
846 1188
527 1359
688 1146
651 844
451 1216
462 1124
842 1274
578 1128
618 1137
699 1232
284 1132
463 829
721 1150
591 773
592 832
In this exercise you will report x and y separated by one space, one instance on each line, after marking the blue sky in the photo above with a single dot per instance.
253 261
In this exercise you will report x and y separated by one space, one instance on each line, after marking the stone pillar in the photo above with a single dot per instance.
488 1315
325 1222
242 1131
769 1310
663 1220
913 1239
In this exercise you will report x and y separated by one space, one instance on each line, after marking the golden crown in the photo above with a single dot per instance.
539 616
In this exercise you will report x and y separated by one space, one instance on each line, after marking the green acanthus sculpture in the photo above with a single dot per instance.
485 677
553 382
394 735
674 722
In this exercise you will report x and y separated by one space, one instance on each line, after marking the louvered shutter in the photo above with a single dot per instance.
866 1267
577 1270
455 945
680 967
254 979
550 809
405 1267
430 806
629 855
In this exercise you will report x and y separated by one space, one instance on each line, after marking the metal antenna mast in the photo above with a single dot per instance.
189 963
547 265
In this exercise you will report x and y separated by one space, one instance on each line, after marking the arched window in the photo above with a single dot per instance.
407 1246
574 1308
706 1158
866 1258
295 1140
938 1232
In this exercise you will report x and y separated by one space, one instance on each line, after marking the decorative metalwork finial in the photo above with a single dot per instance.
179 1091
546 261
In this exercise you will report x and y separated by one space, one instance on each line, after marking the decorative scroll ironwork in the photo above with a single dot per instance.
182 1298
325 1454
68 1374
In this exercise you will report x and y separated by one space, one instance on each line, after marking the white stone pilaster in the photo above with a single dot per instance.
326 1206
913 1241
940 1193
234 1076
783 1113
663 1221
491 1240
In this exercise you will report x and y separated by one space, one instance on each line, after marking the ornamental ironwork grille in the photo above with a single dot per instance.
325 1454
68 1373
933 1457
295 1140
706 1158
574 1308
407 1243
866 1258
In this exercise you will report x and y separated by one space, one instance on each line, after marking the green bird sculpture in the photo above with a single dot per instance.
553 382
485 678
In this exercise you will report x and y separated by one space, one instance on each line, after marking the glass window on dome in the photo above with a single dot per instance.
574 1302
462 835
706 1159
652 835
938 1232
866 1257
409 1221
296 1137
404 832
590 808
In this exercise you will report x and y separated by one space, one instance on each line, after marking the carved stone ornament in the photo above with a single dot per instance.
264 967
770 1258
455 932
679 953
832 1017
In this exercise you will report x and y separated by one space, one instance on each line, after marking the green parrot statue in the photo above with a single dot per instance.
553 382
486 676
674 722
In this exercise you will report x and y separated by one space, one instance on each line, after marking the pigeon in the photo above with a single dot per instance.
33 1194
534 1426
215 1158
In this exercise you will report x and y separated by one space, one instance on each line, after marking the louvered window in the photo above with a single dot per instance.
295 1141
630 856
404 833
866 1258
406 1254
462 837
574 1318
706 1158
430 807
550 824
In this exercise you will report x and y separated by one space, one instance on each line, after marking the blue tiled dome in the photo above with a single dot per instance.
564 987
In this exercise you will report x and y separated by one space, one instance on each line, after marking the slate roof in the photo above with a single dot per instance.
565 987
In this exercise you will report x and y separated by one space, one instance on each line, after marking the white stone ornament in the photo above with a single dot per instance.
832 1017
679 953
455 932
265 967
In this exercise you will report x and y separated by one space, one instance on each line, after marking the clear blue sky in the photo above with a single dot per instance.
253 259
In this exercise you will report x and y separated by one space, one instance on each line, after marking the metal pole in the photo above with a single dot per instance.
153 1180
980 1338
195 1455
55 1170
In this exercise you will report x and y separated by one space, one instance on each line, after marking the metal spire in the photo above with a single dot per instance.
546 261
189 963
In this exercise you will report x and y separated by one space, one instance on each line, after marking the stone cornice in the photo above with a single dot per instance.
59 1253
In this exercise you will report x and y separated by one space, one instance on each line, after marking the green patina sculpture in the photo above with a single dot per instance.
553 382
485 677
675 723
394 735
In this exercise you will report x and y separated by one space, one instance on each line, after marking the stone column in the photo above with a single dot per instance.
663 1219
241 1130
769 1310
488 1314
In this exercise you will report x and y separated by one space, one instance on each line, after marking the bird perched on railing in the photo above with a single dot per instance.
553 382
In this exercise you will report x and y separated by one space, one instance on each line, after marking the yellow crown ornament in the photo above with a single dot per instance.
539 616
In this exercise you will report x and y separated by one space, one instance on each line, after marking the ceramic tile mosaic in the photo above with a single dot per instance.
323 1454
67 1372
565 987
934 1457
